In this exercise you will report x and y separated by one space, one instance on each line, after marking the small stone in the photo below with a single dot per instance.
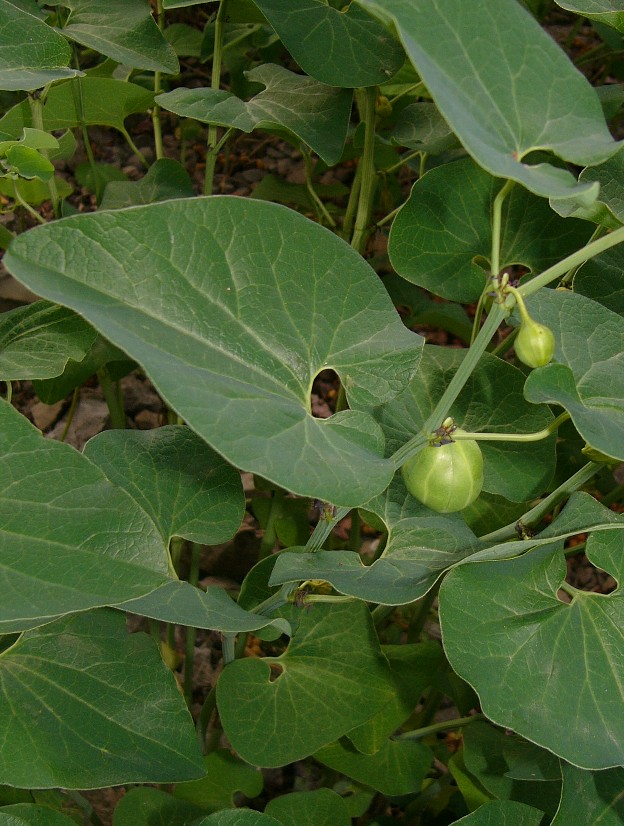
147 420
44 415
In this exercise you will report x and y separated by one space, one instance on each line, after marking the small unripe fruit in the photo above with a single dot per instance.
447 478
535 344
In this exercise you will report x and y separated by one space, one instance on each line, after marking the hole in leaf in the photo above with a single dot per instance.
324 395
585 576
276 671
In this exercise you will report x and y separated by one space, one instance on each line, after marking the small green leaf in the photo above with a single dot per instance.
143 806
38 340
397 768
30 814
133 723
185 40
442 237
123 30
32 54
333 678
225 775
34 192
588 380
504 103
233 306
28 163
164 180
237 817
320 807
609 12
341 48
186 488
591 798
315 113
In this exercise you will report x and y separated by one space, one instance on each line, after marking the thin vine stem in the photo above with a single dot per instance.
215 83
156 125
368 180
445 725
36 109
536 436
191 632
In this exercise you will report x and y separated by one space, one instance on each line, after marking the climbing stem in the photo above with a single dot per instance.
112 397
215 82
158 141
189 658
445 725
35 101
367 162
454 388
497 211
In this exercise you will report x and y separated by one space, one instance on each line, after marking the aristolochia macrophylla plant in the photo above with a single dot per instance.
464 474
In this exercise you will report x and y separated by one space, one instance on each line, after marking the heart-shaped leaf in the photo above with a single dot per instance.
164 180
315 113
104 101
442 237
588 378
69 538
32 54
592 798
232 307
320 807
332 658
107 709
341 48
185 487
124 30
225 775
504 103
547 669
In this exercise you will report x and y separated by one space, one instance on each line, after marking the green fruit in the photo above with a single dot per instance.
446 478
535 344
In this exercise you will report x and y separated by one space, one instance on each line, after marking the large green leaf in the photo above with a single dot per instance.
398 767
320 807
341 48
38 340
105 102
333 677
610 12
587 375
608 209
547 669
316 113
503 103
591 798
123 30
31 53
232 307
442 237
185 487
87 705
69 538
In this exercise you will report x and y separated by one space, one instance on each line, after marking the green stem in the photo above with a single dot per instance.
19 198
446 725
191 632
421 613
389 217
78 103
569 275
613 496
111 396
415 88
210 703
70 413
514 437
355 534
537 513
497 211
321 209
36 110
354 195
215 83
404 159
229 651
369 178
134 148
454 388
158 142
270 537
579 257
506 344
